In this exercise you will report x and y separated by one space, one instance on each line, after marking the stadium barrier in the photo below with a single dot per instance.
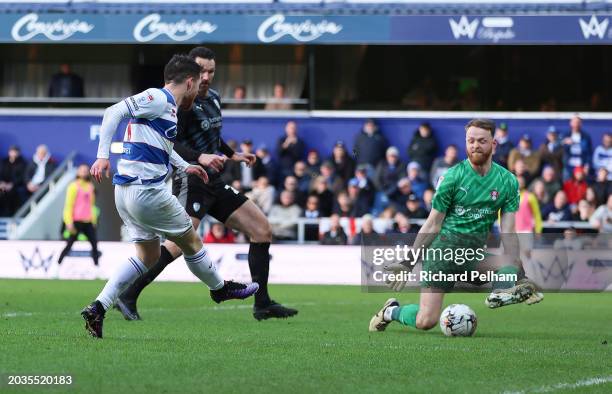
7 225
584 270
45 101
352 226
312 265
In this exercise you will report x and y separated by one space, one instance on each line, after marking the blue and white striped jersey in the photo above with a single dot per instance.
149 138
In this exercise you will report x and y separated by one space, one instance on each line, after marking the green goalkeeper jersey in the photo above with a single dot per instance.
472 202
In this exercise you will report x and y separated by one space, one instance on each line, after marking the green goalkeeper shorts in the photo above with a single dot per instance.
449 266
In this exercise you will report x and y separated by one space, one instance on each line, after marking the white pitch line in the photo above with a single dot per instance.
16 314
561 386
192 309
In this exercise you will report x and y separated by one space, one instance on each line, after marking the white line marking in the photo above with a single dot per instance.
16 314
562 386
193 309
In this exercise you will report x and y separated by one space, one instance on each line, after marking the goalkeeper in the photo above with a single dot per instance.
467 202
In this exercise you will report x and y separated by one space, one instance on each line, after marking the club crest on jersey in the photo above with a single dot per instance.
196 206
205 124
494 194
143 100
171 132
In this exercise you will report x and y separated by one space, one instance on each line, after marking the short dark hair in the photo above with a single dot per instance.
486 124
203 52
181 67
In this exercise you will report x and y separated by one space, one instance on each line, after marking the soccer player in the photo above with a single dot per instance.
144 203
467 202
198 141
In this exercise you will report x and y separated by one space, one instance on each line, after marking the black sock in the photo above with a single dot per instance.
259 264
61 256
132 292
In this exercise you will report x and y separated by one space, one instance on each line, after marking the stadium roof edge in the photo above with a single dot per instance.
348 7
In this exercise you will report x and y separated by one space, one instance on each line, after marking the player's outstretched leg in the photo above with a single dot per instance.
423 316
126 303
249 219
124 276
382 318
508 292
93 314
201 265
392 311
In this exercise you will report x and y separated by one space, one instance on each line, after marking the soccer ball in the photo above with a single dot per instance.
458 320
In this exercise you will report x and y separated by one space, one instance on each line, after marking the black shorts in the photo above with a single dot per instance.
216 198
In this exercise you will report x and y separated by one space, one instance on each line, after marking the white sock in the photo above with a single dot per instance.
388 313
120 280
205 269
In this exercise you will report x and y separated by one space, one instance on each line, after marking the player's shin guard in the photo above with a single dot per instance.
127 273
205 269
132 293
405 314
259 265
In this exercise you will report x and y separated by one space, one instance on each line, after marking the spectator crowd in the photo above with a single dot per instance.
566 178
20 177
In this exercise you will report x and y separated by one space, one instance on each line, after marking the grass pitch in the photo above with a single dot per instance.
187 343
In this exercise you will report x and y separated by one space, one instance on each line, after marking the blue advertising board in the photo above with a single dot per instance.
304 29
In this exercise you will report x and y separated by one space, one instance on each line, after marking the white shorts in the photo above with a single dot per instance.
151 211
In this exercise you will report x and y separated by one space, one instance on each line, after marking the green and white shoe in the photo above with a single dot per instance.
378 322
524 291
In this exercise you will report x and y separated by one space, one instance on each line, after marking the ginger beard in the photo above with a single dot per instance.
479 156
479 146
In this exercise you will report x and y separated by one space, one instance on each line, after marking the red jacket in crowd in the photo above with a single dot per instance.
228 238
575 190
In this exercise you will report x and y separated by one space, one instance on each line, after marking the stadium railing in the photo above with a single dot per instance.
7 225
380 225
105 101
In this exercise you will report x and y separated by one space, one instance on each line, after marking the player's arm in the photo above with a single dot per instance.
424 238
215 162
430 229
177 161
247 158
509 238
113 115
441 202
508 222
